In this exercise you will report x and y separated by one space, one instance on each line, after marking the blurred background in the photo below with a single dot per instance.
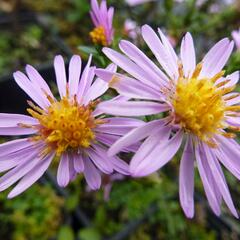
33 32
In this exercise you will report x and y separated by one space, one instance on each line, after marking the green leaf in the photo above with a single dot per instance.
65 233
88 50
71 202
89 233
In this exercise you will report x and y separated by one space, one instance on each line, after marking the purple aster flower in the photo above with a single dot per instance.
236 38
137 2
102 18
131 29
71 129
195 106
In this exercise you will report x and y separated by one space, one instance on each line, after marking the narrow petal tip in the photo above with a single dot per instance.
10 195
189 212
28 67
105 50
145 26
58 58
16 74
62 184
76 58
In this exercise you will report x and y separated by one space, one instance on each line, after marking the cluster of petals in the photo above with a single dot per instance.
131 29
103 18
148 87
25 160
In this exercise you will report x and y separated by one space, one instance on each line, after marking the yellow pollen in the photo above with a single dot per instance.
98 36
199 107
65 125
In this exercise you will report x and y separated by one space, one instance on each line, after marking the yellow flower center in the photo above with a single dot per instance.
65 124
98 36
198 104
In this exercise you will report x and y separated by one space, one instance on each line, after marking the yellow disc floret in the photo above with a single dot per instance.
98 36
65 125
198 105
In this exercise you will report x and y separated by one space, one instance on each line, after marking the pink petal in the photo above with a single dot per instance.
100 160
9 124
12 120
173 58
232 78
91 174
216 58
96 13
157 157
135 135
60 72
186 179
127 65
37 96
113 162
156 76
135 108
32 176
12 160
103 13
72 172
14 145
159 51
110 17
228 154
157 138
188 56
7 164
27 150
94 19
78 162
233 121
94 6
63 175
119 165
118 126
117 130
85 80
38 81
99 87
230 147
208 181
129 87
109 139
220 180
18 172
16 131
232 101
74 74
110 30
98 111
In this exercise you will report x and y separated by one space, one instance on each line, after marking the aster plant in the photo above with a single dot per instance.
131 29
71 130
133 3
194 106
102 19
